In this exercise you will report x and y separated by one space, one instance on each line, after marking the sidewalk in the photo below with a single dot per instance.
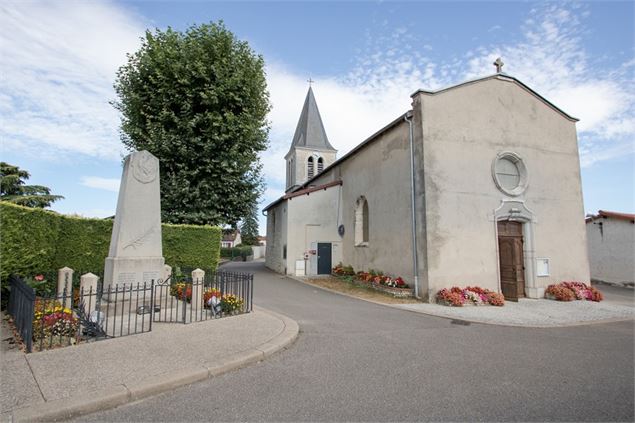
71 381
618 305
531 313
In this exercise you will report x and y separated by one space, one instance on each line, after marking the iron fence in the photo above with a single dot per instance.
46 320
21 308
216 295
77 315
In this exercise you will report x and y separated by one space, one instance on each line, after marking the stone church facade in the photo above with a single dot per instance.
478 184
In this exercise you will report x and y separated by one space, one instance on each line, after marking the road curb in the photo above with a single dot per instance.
480 322
103 399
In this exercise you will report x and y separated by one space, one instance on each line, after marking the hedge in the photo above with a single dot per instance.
232 252
191 246
36 241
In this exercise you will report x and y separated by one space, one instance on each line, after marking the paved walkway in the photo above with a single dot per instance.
532 313
59 383
618 305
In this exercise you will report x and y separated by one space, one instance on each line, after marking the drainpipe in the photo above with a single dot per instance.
415 259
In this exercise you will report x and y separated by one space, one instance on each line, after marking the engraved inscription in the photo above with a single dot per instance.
150 276
144 167
126 278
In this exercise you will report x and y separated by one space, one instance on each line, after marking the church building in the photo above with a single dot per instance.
477 184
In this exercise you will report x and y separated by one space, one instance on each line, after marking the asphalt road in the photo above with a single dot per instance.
357 361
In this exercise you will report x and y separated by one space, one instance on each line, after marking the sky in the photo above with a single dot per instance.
59 61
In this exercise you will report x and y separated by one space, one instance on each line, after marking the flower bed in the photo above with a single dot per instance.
231 303
52 319
471 295
374 279
212 297
569 291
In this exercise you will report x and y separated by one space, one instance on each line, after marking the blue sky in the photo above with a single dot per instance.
59 61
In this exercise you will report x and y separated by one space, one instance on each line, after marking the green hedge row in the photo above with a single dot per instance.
36 241
236 251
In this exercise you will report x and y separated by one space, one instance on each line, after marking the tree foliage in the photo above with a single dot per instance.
198 101
249 229
13 189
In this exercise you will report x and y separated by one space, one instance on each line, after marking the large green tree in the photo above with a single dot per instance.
198 101
14 190
249 229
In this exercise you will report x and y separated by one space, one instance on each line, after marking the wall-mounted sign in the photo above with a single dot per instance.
542 267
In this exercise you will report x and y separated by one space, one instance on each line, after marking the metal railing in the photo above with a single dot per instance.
21 308
77 315
217 295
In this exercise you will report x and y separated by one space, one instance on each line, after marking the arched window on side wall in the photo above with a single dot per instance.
310 168
320 165
361 222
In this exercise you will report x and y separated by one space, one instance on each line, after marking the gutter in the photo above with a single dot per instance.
415 259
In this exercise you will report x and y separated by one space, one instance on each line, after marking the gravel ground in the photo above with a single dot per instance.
532 313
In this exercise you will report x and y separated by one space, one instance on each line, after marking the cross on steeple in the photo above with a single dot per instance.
310 81
499 65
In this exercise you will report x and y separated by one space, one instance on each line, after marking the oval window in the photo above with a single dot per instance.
510 174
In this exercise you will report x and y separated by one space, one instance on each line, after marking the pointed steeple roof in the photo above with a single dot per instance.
310 131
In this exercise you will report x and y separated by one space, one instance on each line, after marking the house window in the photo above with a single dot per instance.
284 252
310 168
361 222
320 165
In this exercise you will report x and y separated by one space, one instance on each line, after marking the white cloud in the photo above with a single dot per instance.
59 64
108 184
550 58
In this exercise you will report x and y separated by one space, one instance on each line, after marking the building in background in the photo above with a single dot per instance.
231 238
611 238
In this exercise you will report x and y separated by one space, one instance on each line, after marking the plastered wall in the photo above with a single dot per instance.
611 250
462 131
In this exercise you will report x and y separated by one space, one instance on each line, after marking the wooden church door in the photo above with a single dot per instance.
510 252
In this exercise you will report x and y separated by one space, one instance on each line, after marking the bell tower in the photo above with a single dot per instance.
310 151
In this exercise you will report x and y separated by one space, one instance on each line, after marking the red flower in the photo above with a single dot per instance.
39 278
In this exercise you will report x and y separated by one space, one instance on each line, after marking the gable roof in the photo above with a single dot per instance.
310 131
607 214
502 77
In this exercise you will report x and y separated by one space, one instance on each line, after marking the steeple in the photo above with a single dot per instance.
310 131
310 150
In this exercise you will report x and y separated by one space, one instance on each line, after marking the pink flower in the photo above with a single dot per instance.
39 277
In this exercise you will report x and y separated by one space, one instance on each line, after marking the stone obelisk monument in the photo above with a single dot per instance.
136 254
